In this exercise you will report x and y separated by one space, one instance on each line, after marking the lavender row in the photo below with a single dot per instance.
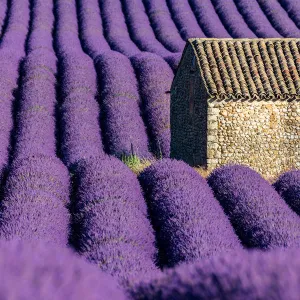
140 28
41 26
43 271
232 20
12 50
36 194
91 29
240 275
3 11
163 25
66 28
123 127
258 214
184 19
155 78
288 187
115 28
292 7
35 122
110 225
188 221
80 135
79 110
279 18
256 19
208 19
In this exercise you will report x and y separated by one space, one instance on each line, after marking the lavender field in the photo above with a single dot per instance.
84 97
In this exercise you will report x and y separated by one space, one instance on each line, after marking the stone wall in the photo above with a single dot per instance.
264 135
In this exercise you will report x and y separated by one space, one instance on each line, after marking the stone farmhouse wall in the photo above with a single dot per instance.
262 134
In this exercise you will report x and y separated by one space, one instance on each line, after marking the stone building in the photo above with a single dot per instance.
238 101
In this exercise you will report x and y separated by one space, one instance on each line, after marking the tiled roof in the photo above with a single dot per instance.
262 69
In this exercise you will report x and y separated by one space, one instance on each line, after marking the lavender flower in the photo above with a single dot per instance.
258 214
208 19
163 26
240 275
155 78
279 18
184 19
232 20
35 197
110 225
288 187
43 271
123 127
188 221
256 19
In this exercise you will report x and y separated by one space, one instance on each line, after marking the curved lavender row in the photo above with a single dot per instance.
240 275
173 60
140 28
10 57
110 225
49 272
279 18
123 127
115 28
66 35
292 8
189 222
232 20
35 123
259 216
35 195
3 11
15 33
185 19
79 110
163 25
256 19
208 19
42 20
155 78
91 29
288 187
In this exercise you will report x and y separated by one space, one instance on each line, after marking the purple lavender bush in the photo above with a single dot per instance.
41 26
110 225
91 29
184 19
247 275
292 8
35 123
256 19
163 25
123 127
258 214
279 18
45 272
155 78
288 187
115 28
36 194
12 50
208 19
66 29
232 20
79 110
188 221
140 29
3 10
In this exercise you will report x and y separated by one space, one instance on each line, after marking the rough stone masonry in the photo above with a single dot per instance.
238 101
